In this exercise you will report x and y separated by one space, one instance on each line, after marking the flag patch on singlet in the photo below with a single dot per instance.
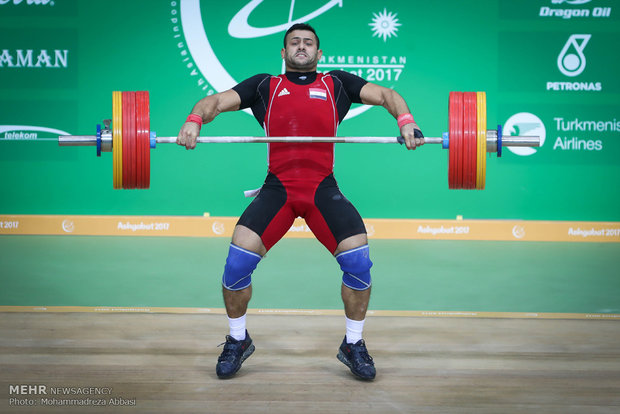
317 93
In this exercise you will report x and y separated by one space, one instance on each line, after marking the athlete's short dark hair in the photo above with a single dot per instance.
302 26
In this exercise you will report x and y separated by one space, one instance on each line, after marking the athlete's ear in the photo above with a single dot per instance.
282 52
319 53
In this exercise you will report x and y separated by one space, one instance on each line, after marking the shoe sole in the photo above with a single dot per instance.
342 358
245 356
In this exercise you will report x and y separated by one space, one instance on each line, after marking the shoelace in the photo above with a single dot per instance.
362 352
229 352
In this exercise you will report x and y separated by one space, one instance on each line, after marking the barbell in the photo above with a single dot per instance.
130 140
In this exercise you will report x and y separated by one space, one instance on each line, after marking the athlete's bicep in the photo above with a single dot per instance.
352 84
228 101
373 94
248 90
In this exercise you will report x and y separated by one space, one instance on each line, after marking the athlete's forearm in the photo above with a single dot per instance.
211 106
207 108
394 103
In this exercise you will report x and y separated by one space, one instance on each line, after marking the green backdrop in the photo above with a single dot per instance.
546 67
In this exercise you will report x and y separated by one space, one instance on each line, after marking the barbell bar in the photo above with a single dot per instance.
130 140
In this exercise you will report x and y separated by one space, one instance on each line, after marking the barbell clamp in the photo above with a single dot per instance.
104 137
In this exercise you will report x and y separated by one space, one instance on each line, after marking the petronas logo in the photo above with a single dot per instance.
571 60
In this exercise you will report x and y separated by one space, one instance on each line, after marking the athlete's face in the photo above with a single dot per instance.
301 53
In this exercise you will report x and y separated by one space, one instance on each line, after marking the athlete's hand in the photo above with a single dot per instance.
413 135
188 135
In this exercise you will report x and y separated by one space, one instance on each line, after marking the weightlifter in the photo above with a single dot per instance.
300 183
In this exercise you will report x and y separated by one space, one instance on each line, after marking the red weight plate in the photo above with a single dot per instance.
450 128
474 142
132 147
138 140
136 163
143 138
144 143
147 158
465 142
138 148
126 140
469 140
452 136
459 141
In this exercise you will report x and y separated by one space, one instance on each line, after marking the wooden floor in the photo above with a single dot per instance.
165 363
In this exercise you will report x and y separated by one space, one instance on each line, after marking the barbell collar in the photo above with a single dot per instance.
520 141
77 140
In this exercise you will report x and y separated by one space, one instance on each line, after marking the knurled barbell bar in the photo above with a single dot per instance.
131 139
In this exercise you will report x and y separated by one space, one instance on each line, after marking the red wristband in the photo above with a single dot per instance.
404 119
194 118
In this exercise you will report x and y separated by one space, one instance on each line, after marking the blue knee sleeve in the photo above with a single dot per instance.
240 264
355 264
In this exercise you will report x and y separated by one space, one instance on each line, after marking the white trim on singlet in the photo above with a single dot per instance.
268 116
335 116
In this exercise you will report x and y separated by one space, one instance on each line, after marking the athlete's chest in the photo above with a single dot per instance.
289 96
301 110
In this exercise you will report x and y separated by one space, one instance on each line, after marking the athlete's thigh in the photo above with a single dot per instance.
268 215
333 218
248 239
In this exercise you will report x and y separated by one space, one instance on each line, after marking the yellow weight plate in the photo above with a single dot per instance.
120 139
482 140
117 139
115 121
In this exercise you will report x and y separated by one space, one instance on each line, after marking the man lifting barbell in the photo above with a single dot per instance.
300 182
300 112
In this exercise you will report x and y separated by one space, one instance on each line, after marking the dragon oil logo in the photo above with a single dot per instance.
223 43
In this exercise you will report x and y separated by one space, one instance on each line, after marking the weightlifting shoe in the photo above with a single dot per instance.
356 357
233 355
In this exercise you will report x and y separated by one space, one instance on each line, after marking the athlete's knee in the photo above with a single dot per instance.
240 264
355 265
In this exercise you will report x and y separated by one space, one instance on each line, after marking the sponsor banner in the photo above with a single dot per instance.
29 133
38 8
501 230
560 63
505 230
118 225
591 11
569 135
38 58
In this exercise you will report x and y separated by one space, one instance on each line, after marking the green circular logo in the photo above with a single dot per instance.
223 44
